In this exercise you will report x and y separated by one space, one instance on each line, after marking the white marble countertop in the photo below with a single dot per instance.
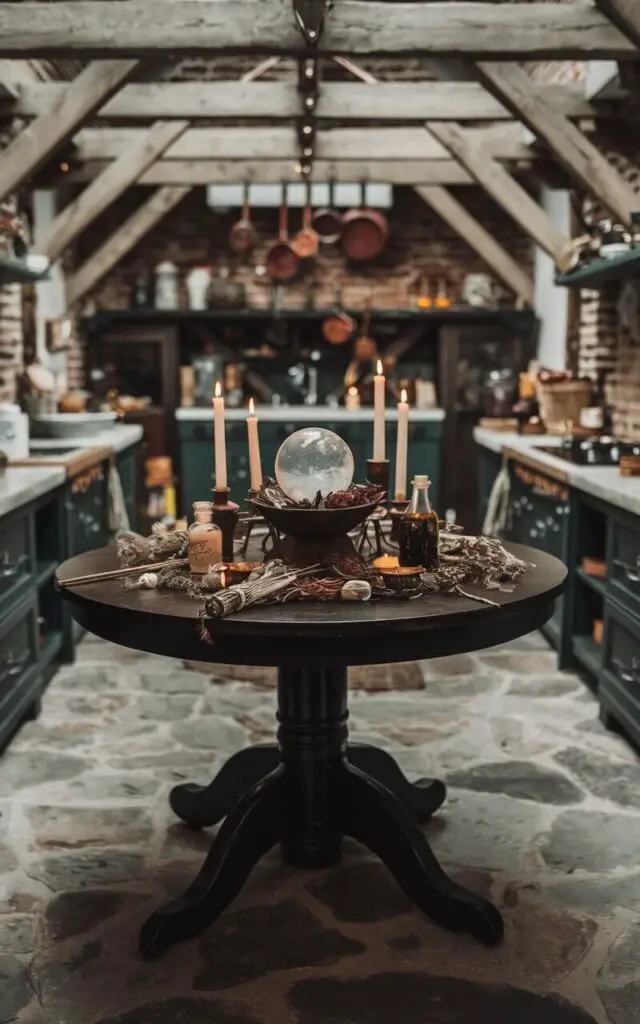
602 482
20 485
118 437
308 414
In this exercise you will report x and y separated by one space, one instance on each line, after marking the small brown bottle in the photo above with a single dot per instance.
418 529
205 539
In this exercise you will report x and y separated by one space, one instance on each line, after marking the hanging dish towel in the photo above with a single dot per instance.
117 516
496 518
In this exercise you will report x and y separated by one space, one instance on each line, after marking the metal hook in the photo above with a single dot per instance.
310 15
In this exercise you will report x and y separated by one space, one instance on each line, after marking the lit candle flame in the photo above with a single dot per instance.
218 390
403 395
223 579
379 368
252 408
353 391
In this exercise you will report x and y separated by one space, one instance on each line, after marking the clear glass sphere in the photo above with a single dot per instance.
312 460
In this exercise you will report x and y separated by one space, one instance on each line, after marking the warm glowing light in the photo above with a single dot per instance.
403 395
353 391
218 389
379 367
223 579
252 408
386 562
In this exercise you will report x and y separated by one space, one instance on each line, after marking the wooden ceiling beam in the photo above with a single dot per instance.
280 101
503 189
479 239
108 28
571 148
502 140
122 241
625 15
216 172
111 183
86 93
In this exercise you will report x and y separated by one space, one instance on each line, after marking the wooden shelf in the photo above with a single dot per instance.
602 271
520 321
14 271
588 653
597 583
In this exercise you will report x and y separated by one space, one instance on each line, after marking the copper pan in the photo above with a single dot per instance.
327 221
242 235
282 261
305 244
364 232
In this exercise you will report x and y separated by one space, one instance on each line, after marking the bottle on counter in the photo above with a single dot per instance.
418 529
205 539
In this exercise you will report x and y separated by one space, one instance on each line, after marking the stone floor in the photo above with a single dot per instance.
543 814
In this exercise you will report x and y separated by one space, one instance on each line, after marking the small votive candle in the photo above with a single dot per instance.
386 562
239 572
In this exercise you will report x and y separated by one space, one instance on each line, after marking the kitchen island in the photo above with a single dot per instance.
195 432
590 517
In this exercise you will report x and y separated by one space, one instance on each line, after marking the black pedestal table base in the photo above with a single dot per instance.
306 793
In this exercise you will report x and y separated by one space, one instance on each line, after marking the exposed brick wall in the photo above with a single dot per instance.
420 246
11 328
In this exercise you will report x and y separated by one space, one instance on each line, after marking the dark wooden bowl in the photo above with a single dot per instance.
315 523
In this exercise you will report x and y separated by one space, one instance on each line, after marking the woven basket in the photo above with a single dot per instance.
561 402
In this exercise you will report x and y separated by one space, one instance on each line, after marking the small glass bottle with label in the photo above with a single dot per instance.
418 529
205 539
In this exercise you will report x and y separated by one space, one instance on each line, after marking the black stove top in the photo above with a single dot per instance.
592 451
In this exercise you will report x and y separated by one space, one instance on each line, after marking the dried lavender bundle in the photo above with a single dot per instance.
133 549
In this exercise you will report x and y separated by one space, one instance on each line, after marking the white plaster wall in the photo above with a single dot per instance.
550 302
49 294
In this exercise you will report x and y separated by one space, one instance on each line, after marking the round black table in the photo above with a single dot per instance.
313 787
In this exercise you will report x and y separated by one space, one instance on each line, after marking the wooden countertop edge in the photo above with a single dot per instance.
529 459
86 459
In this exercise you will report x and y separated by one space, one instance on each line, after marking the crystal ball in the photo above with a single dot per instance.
312 460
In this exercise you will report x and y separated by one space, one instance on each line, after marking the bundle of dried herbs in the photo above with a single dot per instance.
357 494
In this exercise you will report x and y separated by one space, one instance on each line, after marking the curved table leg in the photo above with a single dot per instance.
201 806
422 798
370 814
253 827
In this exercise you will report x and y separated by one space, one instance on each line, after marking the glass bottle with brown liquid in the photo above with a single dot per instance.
418 529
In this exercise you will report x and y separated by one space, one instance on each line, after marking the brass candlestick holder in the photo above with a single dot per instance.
225 515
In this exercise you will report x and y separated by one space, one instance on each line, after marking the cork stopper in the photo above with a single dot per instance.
203 511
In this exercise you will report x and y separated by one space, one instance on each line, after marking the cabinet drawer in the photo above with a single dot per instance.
624 564
18 651
622 648
16 558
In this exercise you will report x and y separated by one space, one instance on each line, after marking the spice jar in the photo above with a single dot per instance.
205 539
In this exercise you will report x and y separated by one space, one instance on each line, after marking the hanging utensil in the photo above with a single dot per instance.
242 235
327 221
365 348
338 327
364 232
282 262
305 244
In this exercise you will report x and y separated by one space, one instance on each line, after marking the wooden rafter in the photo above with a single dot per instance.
122 241
480 240
625 14
105 189
14 76
259 143
213 172
581 158
98 28
280 101
503 188
90 90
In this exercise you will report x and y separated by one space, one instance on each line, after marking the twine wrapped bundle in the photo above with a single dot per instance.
134 549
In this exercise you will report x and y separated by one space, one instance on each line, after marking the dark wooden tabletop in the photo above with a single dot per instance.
352 633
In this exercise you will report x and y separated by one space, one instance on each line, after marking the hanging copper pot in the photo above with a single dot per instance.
327 221
282 262
242 235
364 232
338 327
305 244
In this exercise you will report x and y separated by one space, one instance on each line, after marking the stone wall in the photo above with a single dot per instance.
421 248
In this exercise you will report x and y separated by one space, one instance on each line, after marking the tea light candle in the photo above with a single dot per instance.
401 447
352 401
379 386
255 463
219 438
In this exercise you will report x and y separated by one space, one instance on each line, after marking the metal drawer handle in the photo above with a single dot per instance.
8 570
632 572
13 666
627 673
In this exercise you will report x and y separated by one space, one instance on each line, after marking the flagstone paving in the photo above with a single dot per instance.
543 816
